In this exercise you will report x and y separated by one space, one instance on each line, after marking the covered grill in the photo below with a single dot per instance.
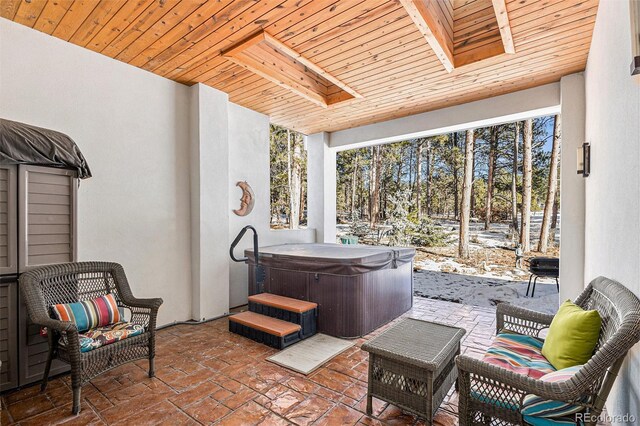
543 267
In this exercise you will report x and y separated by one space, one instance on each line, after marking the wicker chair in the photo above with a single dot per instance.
72 282
503 390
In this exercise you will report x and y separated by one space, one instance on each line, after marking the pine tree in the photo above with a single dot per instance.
465 210
543 244
525 223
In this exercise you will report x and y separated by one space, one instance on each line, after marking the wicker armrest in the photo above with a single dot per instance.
134 302
521 320
53 324
557 391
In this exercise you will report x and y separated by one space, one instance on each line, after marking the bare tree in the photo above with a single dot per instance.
419 179
493 149
354 183
527 175
429 169
554 218
465 210
456 182
376 172
295 183
543 244
514 179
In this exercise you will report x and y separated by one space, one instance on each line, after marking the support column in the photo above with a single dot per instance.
209 174
321 187
572 188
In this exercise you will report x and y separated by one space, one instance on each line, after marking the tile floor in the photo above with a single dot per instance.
205 375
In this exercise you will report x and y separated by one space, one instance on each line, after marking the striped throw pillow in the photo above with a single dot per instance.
89 314
535 407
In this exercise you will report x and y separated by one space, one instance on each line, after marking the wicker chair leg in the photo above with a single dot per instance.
463 398
76 399
152 367
47 369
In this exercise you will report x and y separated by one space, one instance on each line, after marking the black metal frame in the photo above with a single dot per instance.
536 280
260 273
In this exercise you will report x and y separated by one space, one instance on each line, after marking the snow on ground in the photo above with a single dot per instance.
484 291
489 278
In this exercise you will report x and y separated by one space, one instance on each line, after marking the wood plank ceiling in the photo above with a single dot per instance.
374 47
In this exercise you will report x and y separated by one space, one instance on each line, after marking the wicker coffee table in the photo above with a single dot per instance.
412 365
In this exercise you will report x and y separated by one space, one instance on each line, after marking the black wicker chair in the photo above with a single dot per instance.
72 282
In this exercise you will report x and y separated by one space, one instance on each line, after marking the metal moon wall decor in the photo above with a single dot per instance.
247 200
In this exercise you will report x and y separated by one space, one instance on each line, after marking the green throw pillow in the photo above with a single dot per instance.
572 336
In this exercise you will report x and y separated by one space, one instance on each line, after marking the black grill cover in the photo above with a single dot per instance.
25 144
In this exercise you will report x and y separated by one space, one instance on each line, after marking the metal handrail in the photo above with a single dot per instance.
237 240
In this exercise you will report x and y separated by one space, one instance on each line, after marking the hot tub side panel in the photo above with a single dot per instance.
348 306
387 294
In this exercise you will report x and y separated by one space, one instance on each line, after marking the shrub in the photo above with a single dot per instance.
428 234
401 226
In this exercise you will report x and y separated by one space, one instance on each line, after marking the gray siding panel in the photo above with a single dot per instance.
8 220
8 337
33 351
48 222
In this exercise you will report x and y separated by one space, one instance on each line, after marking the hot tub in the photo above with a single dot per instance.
357 288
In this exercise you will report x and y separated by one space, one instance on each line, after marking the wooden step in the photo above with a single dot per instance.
282 302
266 324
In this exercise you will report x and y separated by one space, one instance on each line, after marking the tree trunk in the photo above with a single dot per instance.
493 148
525 220
473 176
419 179
543 244
514 180
456 182
376 168
554 218
295 184
354 184
410 167
429 168
465 210
289 159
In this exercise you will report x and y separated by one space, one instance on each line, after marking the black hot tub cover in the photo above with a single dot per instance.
25 144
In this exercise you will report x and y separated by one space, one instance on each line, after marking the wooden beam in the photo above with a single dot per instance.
426 15
269 58
280 79
276 44
500 8
243 45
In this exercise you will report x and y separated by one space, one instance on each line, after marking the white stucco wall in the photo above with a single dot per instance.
249 161
209 175
529 103
321 169
572 186
612 231
133 128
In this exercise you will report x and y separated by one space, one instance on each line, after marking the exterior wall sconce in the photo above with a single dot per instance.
634 6
584 159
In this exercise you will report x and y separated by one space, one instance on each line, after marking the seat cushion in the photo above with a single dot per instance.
535 408
572 337
520 354
89 314
101 336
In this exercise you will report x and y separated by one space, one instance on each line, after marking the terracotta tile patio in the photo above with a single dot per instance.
207 375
